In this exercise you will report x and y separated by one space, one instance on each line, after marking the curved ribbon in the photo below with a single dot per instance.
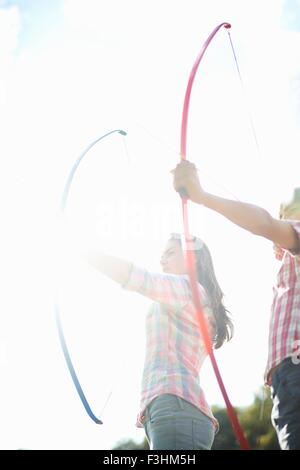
190 255
59 326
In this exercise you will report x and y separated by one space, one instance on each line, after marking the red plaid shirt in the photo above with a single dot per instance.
284 332
175 350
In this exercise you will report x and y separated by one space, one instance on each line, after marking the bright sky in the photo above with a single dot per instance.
71 70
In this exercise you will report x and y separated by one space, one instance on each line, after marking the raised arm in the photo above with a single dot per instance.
116 269
167 289
250 217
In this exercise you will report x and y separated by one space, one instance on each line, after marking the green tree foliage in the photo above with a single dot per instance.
256 424
225 438
130 444
255 420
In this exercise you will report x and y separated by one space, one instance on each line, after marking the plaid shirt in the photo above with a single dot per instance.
175 350
284 332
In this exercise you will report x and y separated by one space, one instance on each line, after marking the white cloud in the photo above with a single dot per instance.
9 29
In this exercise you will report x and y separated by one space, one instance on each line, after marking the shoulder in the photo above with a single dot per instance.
286 234
295 226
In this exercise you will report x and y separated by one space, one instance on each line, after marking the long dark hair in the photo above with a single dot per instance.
207 278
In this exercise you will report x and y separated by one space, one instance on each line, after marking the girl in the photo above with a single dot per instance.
173 409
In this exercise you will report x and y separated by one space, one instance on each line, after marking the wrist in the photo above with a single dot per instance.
202 198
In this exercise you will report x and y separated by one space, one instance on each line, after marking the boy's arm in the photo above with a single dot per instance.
254 219
250 217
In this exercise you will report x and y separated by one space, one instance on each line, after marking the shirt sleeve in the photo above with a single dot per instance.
170 289
296 226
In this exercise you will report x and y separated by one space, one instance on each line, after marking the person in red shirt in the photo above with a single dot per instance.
283 369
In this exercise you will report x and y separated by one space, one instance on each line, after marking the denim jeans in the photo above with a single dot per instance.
172 423
285 416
